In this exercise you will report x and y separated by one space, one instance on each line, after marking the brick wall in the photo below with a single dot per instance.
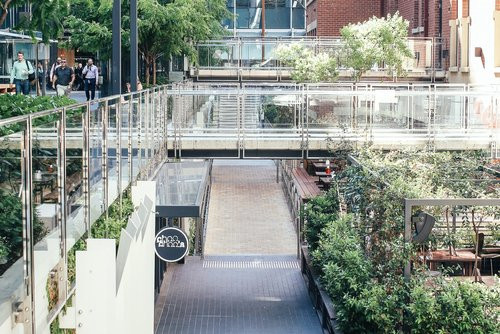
335 14
465 8
497 7
311 15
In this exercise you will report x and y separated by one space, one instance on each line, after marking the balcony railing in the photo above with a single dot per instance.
244 58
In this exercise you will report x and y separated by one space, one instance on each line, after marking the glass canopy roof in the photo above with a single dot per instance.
180 188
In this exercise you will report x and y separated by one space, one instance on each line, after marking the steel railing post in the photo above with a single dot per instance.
118 147
86 168
28 305
63 211
104 162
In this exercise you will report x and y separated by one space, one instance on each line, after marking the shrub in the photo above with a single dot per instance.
318 212
17 105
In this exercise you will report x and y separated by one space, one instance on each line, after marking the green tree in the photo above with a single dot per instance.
376 41
306 65
165 28
46 16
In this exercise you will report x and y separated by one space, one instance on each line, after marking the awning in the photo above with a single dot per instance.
181 188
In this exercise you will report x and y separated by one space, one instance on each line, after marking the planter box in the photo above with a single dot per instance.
321 301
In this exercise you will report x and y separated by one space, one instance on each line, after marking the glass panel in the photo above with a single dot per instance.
46 206
449 108
135 132
11 216
248 14
298 14
75 197
390 107
126 111
95 160
277 14
112 147
419 117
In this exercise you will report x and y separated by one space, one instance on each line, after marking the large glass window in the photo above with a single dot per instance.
298 14
277 14
248 14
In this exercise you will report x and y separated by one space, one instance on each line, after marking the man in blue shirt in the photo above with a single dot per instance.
19 75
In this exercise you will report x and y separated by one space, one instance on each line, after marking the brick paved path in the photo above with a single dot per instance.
248 213
231 291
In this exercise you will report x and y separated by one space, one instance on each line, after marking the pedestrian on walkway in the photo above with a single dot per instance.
39 70
53 70
63 79
91 74
79 76
20 73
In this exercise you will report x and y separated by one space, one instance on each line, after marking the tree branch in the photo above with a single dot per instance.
5 8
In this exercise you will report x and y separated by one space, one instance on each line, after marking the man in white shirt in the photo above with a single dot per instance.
91 74
53 70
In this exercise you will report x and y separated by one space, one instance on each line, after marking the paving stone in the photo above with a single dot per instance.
249 280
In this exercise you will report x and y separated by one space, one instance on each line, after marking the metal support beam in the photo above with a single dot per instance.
133 46
116 74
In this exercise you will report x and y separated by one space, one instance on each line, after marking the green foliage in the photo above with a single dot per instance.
361 255
376 41
165 28
308 66
11 228
318 212
4 250
276 114
17 105
46 16
110 227
454 307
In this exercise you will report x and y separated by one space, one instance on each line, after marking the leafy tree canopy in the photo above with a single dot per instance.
165 28
378 41
46 16
308 66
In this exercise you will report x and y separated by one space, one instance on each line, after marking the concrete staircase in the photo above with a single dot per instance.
226 112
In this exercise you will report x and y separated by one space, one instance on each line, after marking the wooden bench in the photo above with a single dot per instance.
7 89
305 184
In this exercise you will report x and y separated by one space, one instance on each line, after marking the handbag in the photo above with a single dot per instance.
31 76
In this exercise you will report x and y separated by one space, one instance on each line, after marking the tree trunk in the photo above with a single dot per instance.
154 72
147 59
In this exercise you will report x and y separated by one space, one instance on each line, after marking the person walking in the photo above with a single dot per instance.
20 74
91 74
79 76
53 70
63 79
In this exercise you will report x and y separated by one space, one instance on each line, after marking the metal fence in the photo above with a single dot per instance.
307 119
60 170
245 58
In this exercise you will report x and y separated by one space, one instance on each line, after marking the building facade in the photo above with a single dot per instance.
268 18
464 34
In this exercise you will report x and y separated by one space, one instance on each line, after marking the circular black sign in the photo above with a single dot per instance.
171 244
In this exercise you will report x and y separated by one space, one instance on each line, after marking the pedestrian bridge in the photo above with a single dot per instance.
62 168
283 121
290 121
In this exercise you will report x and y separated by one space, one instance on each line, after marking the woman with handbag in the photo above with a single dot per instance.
22 74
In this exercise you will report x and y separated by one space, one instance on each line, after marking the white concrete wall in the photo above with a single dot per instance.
482 35
115 290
